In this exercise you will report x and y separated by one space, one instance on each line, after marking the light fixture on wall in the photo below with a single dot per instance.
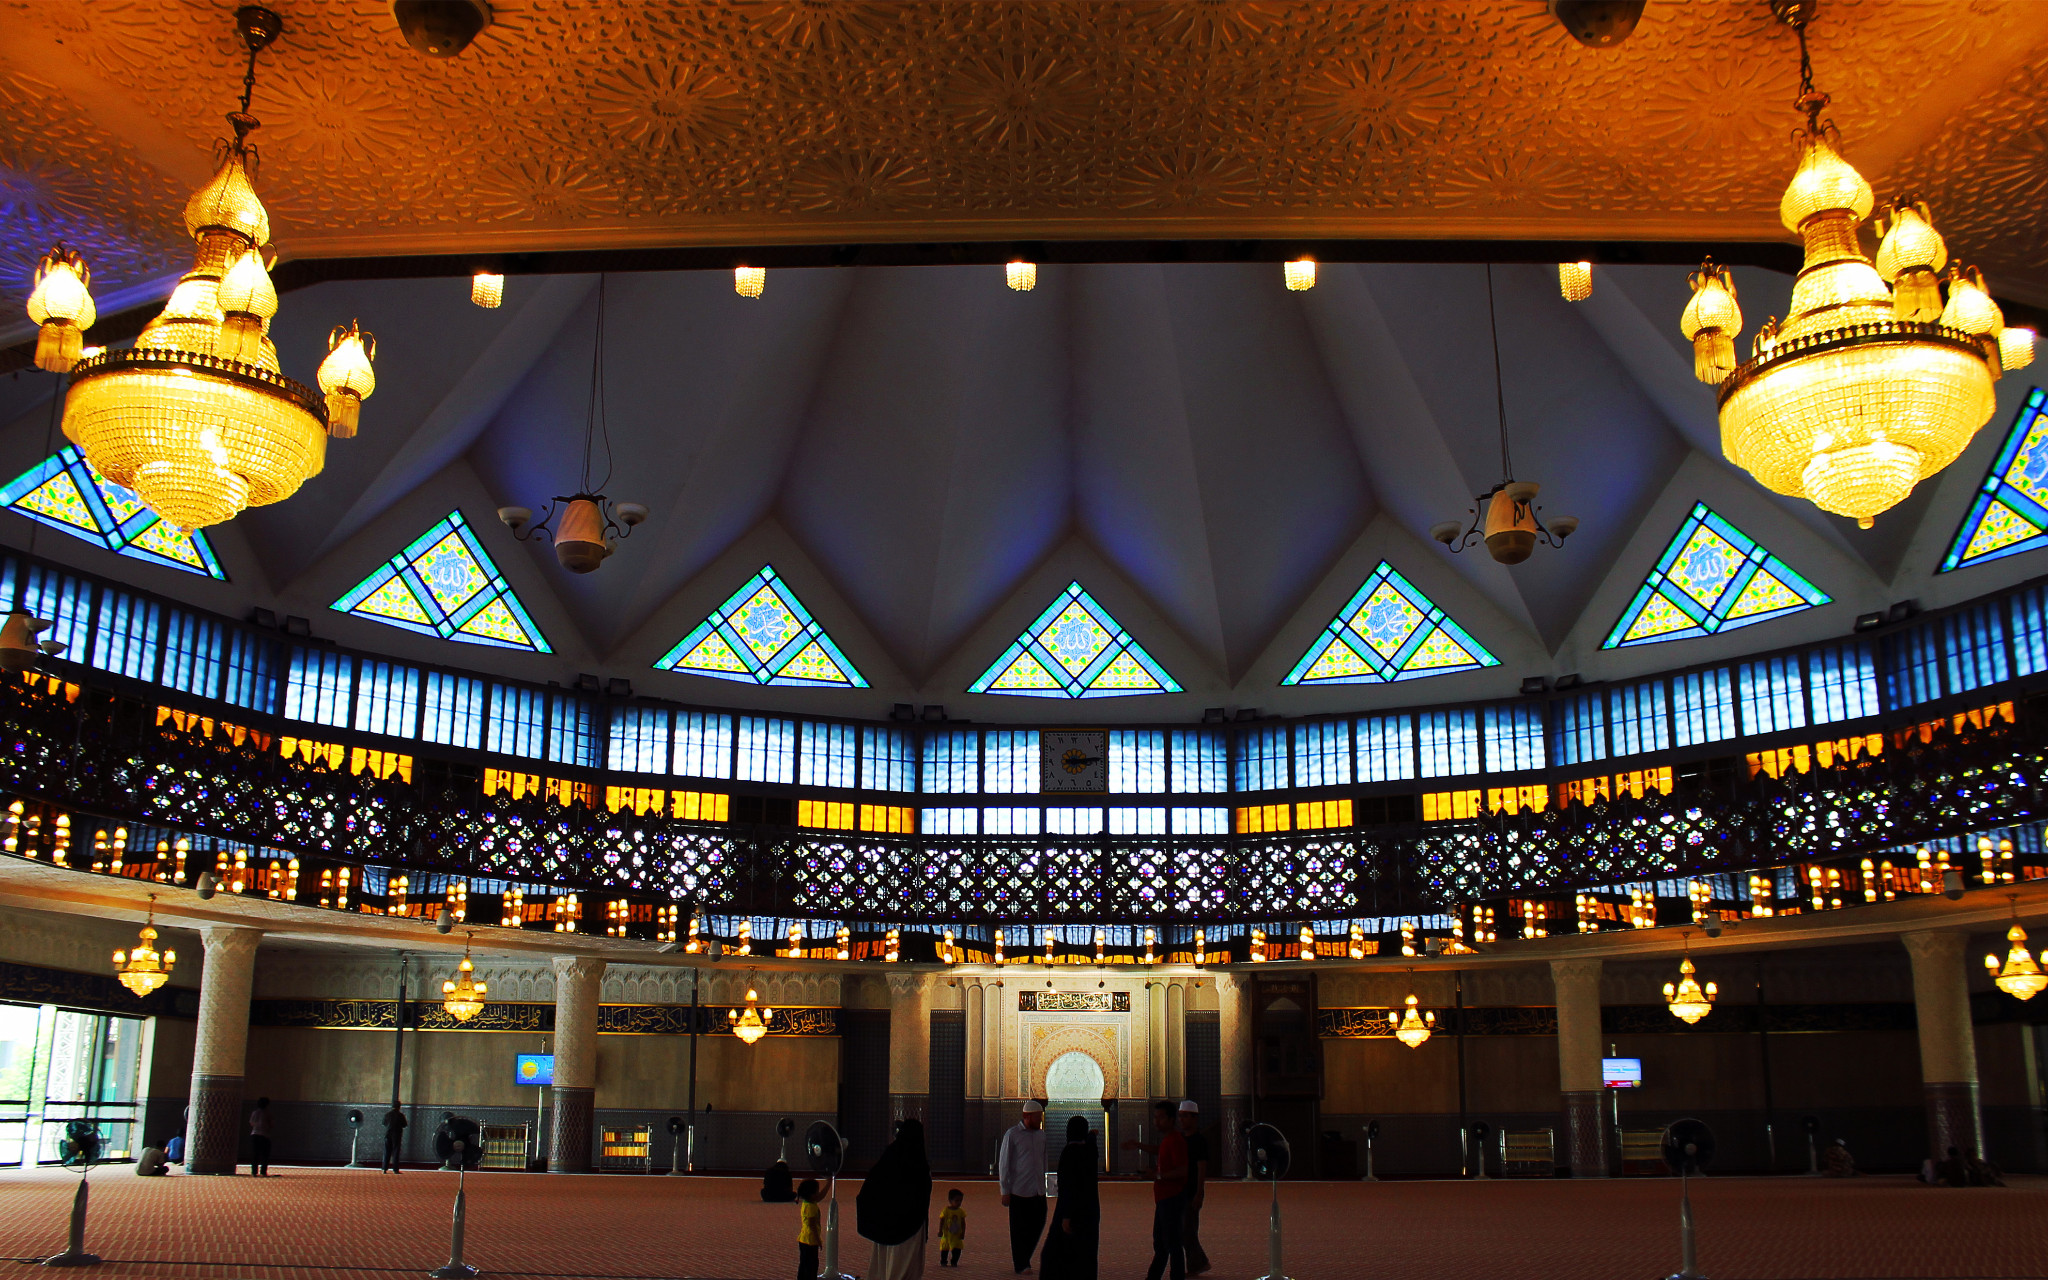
1412 1027
1504 517
584 526
1308 943
196 417
462 996
19 648
751 1023
1686 998
2021 975
1870 385
142 968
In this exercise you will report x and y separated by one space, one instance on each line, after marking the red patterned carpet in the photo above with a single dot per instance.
309 1224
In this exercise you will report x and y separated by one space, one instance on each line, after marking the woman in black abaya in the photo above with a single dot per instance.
893 1205
1070 1243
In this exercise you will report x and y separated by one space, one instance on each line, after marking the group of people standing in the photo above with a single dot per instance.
1181 1167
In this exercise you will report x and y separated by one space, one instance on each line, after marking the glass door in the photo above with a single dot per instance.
20 1028
95 1063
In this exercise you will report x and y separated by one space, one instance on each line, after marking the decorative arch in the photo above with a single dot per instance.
1101 1041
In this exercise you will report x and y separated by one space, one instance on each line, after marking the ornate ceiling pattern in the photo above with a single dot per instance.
589 122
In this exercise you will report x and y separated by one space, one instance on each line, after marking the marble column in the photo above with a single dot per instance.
1577 983
213 1133
973 1017
1234 1036
1948 1042
1174 1051
1155 1040
579 988
910 1046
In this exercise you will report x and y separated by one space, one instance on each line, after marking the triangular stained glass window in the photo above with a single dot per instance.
2009 513
445 584
1075 650
65 493
763 634
1388 631
1712 577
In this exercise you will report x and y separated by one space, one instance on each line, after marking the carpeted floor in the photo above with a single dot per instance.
310 1224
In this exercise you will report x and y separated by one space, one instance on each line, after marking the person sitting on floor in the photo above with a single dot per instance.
1952 1172
1836 1162
152 1163
777 1187
1979 1172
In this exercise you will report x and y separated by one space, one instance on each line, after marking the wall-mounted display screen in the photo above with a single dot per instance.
534 1068
1621 1073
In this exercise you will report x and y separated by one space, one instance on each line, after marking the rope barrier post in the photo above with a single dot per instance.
456 1268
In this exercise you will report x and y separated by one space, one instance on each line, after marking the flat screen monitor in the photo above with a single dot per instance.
534 1068
1621 1073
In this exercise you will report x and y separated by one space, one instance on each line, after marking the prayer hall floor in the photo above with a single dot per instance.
310 1224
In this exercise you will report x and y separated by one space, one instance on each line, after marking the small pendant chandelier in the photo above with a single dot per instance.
751 1023
462 996
1687 1000
1505 515
196 417
585 525
1871 384
2021 975
1412 1027
143 969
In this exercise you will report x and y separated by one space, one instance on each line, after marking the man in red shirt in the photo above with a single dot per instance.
1169 1193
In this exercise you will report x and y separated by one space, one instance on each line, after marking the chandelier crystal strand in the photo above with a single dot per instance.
1870 385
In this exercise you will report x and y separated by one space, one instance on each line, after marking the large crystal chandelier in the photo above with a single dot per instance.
2021 974
462 996
1871 384
1686 998
196 417
142 968
1412 1026
751 1024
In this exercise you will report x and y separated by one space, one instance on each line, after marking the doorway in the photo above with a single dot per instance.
59 1065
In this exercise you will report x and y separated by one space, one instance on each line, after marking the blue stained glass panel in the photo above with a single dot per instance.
1712 577
762 634
1075 650
1388 631
2009 513
65 493
445 584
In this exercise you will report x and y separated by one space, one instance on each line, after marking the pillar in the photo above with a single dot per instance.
1948 1046
213 1131
1234 1039
579 989
1176 1046
1155 1040
973 1018
1577 983
910 1046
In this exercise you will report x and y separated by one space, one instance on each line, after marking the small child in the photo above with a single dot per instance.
810 1231
952 1229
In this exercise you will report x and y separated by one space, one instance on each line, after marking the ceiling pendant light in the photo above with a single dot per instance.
585 525
1300 274
196 417
143 968
1575 280
2021 975
462 996
487 290
752 1023
1412 1027
1871 384
749 282
1021 276
1686 998
1505 515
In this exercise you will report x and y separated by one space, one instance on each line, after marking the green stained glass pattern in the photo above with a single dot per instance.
762 634
65 493
1389 630
2009 512
1712 577
1075 649
445 584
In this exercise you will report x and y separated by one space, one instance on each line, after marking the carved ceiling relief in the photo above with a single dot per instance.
609 120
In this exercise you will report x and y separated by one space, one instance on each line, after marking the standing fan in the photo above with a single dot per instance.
1688 1147
82 1148
1269 1156
826 1151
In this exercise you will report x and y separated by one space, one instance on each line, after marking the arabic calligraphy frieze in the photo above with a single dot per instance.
33 984
1073 1002
530 1017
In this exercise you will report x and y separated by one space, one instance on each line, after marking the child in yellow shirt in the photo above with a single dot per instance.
952 1229
810 1229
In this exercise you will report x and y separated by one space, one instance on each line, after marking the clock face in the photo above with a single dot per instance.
1072 761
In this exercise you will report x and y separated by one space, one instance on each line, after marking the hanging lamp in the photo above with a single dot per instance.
142 968
1412 1027
1504 517
197 417
751 1023
1871 384
1686 998
463 995
2021 975
586 525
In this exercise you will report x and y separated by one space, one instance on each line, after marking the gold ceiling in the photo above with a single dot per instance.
602 123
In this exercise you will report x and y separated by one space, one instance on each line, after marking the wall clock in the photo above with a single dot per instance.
1073 761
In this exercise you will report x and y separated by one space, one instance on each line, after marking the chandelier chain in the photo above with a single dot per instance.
1500 402
594 417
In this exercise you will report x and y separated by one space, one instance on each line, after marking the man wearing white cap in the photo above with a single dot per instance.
1020 1171
1190 1121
